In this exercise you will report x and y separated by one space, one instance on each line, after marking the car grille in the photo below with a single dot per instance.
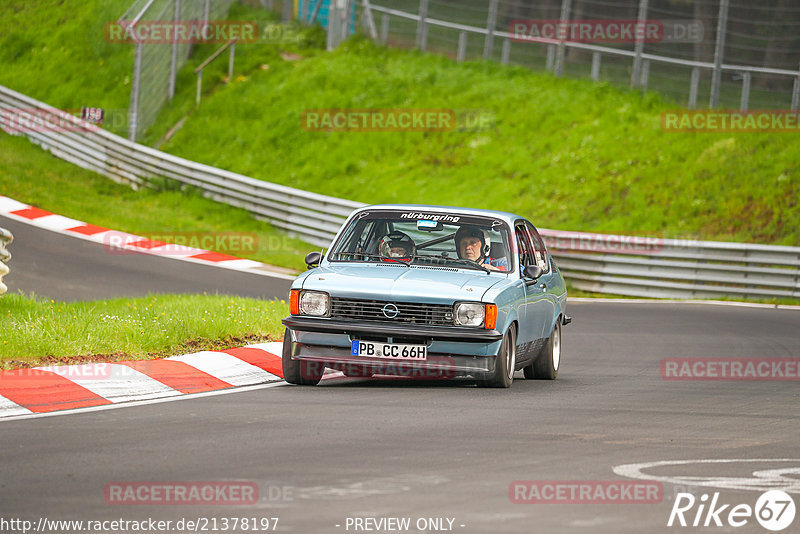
407 312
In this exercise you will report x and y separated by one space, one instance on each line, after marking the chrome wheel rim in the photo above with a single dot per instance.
511 356
556 347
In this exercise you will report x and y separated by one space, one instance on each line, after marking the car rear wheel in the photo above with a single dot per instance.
300 372
504 365
546 364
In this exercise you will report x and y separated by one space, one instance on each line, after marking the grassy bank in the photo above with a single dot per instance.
56 52
569 154
40 331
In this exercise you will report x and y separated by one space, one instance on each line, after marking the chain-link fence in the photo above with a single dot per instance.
747 54
156 64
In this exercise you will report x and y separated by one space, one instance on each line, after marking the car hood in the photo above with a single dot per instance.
401 283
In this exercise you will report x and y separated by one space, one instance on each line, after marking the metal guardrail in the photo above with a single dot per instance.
5 239
674 268
649 267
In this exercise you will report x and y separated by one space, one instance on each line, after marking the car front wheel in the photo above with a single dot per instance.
546 364
300 372
504 365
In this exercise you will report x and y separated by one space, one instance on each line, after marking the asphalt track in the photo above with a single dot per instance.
369 448
68 268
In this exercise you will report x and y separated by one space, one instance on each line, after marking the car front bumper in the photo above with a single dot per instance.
452 351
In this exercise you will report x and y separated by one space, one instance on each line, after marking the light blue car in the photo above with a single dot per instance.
428 292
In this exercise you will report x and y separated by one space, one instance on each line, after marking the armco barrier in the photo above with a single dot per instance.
5 239
648 267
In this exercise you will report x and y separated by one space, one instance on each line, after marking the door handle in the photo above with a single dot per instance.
543 285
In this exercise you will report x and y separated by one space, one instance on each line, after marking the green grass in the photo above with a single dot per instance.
31 175
56 52
37 330
569 154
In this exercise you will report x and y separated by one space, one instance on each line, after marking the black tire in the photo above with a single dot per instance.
546 364
300 372
504 365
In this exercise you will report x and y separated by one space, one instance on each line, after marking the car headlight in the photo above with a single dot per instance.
314 303
470 313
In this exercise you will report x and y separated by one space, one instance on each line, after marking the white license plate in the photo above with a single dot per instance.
389 351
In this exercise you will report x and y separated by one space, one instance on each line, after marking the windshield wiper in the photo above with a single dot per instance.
464 261
369 255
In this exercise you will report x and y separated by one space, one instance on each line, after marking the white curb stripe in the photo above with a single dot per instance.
117 383
57 223
144 402
10 408
273 347
9 204
227 368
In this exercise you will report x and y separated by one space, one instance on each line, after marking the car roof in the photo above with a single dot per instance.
508 217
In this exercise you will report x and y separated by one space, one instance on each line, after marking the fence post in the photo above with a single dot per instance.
551 57
332 23
368 20
230 63
645 75
315 13
199 88
462 46
796 93
596 66
385 28
422 30
491 22
639 47
206 11
173 62
133 112
745 100
719 50
695 81
287 10
506 51
559 66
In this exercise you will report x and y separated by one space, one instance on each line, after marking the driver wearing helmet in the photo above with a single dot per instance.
472 243
397 245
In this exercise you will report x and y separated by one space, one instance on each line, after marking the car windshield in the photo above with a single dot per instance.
425 238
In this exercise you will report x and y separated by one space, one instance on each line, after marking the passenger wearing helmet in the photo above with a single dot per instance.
397 245
472 243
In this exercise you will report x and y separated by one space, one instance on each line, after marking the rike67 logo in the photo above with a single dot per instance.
774 510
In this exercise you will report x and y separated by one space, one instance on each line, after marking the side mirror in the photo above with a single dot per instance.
313 259
533 271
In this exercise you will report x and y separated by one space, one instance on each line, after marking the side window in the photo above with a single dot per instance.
539 250
524 246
